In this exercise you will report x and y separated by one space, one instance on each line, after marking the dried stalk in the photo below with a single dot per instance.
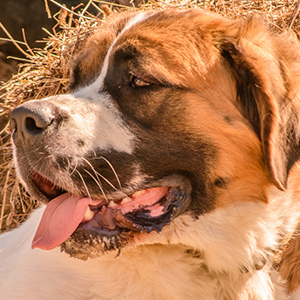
46 71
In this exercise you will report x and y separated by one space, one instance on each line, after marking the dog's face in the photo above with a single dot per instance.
174 117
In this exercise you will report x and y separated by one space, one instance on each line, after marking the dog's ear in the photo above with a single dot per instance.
266 66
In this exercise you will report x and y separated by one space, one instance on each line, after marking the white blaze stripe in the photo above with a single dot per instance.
106 129
140 17
97 85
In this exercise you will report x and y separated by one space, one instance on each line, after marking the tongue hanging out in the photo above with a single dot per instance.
60 219
66 212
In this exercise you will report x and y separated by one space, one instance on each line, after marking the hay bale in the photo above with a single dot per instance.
46 72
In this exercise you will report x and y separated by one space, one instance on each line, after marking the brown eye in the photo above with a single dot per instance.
137 82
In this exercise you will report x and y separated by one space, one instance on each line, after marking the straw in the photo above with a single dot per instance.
46 71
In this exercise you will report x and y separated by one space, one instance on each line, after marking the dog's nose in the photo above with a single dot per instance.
29 121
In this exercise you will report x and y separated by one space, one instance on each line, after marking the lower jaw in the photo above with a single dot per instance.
91 243
87 242
83 244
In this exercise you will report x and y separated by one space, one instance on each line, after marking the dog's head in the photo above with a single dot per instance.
173 117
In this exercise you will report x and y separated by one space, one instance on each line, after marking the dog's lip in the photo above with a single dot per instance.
142 198
126 203
45 186
66 212
145 210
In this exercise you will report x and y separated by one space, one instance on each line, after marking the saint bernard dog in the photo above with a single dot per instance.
169 171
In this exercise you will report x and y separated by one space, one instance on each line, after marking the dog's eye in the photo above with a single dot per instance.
136 82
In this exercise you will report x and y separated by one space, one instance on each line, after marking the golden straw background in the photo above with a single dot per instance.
45 72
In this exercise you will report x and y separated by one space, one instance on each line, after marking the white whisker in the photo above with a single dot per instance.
114 171
75 167
102 177
86 188
98 183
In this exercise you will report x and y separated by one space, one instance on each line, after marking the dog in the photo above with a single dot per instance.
170 170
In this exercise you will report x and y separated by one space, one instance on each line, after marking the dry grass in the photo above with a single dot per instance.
45 72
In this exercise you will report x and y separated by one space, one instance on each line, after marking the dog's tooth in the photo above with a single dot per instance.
112 204
138 193
89 215
125 200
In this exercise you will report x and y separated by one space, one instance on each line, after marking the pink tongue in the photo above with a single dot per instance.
60 219
64 213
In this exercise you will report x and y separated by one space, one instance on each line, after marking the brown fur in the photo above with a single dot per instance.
216 116
269 63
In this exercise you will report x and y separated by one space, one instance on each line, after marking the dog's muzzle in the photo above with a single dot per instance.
37 129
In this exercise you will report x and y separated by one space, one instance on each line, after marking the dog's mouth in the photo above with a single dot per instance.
68 215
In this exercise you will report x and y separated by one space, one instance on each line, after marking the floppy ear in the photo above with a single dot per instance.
266 66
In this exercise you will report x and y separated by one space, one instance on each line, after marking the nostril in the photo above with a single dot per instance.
32 126
31 120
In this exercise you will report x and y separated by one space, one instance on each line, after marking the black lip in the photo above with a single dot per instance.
175 203
110 221
89 241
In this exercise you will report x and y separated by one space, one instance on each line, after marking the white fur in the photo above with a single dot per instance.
97 85
100 80
157 266
95 120
93 116
202 258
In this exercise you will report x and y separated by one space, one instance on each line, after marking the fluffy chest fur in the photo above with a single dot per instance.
170 169
157 271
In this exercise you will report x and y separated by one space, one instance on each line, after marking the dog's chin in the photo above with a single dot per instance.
96 237
112 224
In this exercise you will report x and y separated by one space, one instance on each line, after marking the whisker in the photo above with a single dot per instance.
98 174
86 188
101 176
106 180
114 171
75 167
92 167
98 183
